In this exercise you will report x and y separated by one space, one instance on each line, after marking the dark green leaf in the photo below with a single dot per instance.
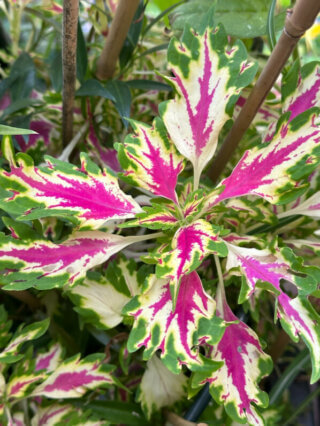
122 96
22 77
55 69
132 37
118 412
148 85
93 87
82 58
19 105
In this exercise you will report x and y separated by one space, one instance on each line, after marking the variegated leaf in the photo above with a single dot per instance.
309 207
297 315
193 204
100 299
301 91
106 156
298 318
87 196
160 387
190 245
262 266
19 387
75 376
38 141
51 415
310 243
265 113
234 384
5 325
150 159
272 170
43 264
158 216
49 360
176 333
30 332
208 77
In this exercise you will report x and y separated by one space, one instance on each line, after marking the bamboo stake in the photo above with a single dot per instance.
116 37
69 55
297 22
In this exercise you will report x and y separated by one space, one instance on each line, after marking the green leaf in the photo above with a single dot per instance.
121 92
118 412
19 105
132 36
243 19
22 77
8 130
55 69
148 85
82 58
93 87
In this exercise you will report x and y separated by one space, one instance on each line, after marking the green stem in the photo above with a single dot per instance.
289 375
221 295
139 238
304 404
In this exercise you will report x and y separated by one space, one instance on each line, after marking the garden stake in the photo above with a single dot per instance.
69 55
116 37
297 22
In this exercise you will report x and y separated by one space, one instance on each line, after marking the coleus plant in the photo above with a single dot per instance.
173 314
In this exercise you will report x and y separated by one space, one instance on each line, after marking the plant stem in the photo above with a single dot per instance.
289 375
116 37
304 404
69 55
297 22
221 295
138 238
64 156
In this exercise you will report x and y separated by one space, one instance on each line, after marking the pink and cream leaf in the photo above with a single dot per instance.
261 266
49 360
75 376
208 77
156 326
150 159
272 170
43 264
297 315
20 386
189 246
158 216
234 384
86 196
33 331
309 207
301 91
51 415
298 318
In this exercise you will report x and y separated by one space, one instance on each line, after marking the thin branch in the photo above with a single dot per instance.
297 22
116 37
69 55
